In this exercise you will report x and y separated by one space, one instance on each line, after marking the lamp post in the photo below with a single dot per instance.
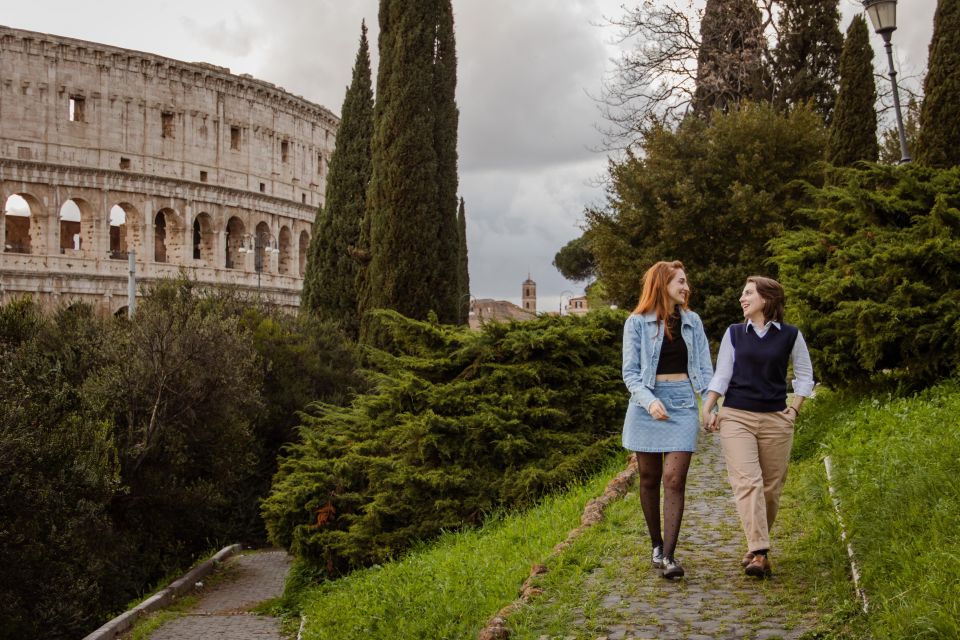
883 15
258 243
569 295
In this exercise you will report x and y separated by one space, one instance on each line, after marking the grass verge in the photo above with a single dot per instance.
451 587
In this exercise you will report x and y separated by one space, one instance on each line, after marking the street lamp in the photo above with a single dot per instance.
258 243
569 295
883 15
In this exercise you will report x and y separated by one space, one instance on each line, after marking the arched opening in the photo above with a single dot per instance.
304 246
286 249
118 233
235 231
121 312
71 227
16 230
263 246
160 238
203 238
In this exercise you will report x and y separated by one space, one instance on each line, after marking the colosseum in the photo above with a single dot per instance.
114 161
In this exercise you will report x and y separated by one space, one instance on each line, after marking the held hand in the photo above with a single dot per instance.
709 419
658 411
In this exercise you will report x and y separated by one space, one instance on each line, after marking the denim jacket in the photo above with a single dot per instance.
642 339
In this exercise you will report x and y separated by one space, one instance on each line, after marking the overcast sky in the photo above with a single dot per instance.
527 71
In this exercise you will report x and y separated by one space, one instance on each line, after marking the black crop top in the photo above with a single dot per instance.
673 353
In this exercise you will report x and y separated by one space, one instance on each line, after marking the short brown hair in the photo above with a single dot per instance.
773 297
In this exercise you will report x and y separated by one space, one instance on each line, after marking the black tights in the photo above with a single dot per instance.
672 468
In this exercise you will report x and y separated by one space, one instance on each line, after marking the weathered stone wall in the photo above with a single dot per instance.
210 172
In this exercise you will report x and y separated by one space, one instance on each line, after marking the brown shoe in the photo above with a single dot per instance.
759 567
747 559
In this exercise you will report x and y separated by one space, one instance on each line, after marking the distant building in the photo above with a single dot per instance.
485 310
577 306
529 297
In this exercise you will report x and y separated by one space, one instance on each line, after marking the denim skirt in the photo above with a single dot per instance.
641 432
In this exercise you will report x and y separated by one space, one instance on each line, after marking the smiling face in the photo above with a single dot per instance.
752 304
677 289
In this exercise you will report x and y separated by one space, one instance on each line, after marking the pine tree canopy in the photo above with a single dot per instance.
939 141
853 131
807 58
463 272
730 62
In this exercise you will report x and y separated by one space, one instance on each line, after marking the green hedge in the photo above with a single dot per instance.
460 425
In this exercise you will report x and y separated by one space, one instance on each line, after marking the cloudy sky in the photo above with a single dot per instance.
527 71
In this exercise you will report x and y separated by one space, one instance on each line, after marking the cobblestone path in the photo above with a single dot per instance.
625 598
223 610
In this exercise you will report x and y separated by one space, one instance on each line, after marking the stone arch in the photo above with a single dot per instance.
263 246
22 226
304 247
167 237
76 226
204 239
235 232
286 250
121 312
127 236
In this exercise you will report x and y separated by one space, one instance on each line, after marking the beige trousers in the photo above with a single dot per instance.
757 448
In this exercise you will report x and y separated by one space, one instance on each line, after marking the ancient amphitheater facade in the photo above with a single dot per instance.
106 152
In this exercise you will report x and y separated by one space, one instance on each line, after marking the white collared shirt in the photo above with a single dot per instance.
800 357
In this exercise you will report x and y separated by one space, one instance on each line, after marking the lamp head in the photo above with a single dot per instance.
883 15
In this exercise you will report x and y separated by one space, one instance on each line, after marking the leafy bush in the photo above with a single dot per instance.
875 284
460 424
711 195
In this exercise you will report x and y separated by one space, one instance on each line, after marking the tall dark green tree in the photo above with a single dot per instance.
406 221
853 131
446 119
463 271
310 293
332 288
807 58
730 63
939 143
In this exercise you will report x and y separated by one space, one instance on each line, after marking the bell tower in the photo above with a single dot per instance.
529 296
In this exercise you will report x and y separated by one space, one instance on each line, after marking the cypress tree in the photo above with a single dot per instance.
447 116
310 293
730 62
939 142
463 272
405 219
332 291
853 131
807 60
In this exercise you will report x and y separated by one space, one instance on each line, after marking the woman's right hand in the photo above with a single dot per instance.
658 411
709 419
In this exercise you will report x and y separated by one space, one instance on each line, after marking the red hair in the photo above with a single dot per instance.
654 295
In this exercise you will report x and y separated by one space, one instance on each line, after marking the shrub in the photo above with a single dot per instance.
460 424
875 284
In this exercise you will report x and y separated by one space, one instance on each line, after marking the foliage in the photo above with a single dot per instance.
461 424
853 132
59 473
575 261
807 57
875 284
711 195
330 281
731 61
940 115
463 267
449 588
412 234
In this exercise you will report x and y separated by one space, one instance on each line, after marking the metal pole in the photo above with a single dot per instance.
904 154
131 283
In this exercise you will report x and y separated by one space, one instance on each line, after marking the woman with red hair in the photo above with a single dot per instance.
666 363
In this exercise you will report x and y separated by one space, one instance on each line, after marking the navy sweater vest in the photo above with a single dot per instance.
759 381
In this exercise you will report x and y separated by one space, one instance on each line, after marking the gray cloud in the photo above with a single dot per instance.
234 38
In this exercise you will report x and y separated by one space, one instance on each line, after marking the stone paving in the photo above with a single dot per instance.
223 610
627 600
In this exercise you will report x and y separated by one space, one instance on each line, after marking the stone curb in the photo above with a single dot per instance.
164 597
496 628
